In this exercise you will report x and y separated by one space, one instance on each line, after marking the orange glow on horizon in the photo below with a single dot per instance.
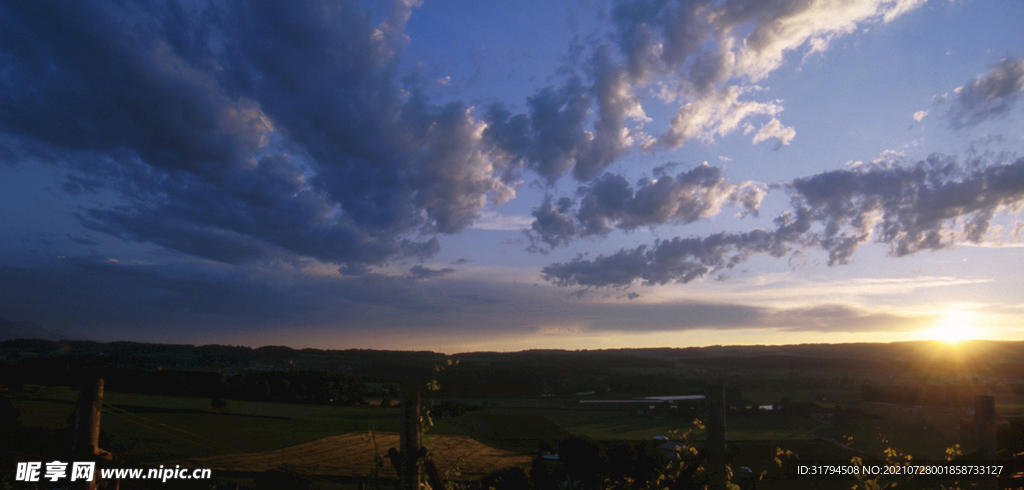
955 326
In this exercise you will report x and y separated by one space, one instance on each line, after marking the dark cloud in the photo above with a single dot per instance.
988 96
617 102
610 203
908 207
206 302
356 269
689 196
91 76
558 135
553 137
92 293
422 272
239 133
283 130
194 299
553 224
676 260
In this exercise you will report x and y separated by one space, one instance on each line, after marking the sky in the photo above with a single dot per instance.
478 175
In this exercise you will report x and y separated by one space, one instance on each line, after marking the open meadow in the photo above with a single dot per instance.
815 402
156 428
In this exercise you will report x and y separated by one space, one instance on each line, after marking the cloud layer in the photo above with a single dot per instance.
285 157
213 303
287 131
929 205
707 54
611 203
238 133
703 57
988 96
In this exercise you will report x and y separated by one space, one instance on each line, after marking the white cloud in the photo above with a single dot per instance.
713 116
708 53
775 129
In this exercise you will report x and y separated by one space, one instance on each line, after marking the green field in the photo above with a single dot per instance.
159 428
155 428
522 401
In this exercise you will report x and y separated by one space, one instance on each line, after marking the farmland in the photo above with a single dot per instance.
818 405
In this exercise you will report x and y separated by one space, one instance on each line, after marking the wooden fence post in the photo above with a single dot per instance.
985 425
87 428
985 433
409 439
717 475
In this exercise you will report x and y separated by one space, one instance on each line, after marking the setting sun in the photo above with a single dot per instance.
955 326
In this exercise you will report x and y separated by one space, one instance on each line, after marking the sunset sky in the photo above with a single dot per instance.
481 175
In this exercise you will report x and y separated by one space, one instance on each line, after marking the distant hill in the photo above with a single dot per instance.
902 372
24 330
898 358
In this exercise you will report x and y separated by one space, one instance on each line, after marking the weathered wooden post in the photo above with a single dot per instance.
985 433
717 475
87 428
985 425
411 458
409 439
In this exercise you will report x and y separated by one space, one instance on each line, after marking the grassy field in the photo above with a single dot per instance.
157 428
160 428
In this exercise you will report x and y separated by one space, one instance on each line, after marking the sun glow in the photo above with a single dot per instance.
955 326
